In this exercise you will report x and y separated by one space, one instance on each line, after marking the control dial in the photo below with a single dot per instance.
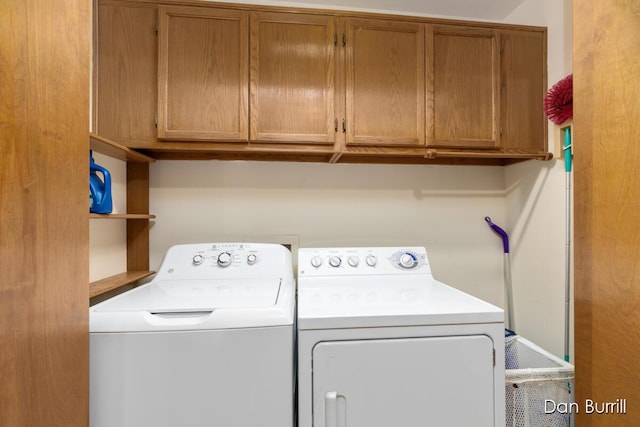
197 259
407 260
335 261
252 259
353 261
224 259
371 260
316 261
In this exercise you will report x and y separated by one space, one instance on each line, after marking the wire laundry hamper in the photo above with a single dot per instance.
533 377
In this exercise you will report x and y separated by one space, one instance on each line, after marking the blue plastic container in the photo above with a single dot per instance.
100 200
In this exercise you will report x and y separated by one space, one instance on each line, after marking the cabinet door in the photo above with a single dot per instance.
203 74
462 87
125 72
292 78
523 81
406 382
384 83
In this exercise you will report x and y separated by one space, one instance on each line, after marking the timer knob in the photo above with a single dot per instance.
316 261
335 261
252 259
353 261
224 259
408 260
371 260
197 259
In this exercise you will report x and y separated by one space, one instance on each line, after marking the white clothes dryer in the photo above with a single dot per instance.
208 342
382 343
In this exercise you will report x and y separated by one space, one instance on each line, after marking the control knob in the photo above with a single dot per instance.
224 259
197 259
316 261
371 260
252 259
335 261
408 260
353 261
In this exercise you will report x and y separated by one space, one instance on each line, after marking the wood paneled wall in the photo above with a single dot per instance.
607 207
44 229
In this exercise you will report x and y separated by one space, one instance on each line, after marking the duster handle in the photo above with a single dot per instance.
500 232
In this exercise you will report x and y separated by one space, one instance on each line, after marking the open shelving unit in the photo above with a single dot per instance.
137 215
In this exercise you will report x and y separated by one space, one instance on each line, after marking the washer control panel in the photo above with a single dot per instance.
225 255
362 261
214 260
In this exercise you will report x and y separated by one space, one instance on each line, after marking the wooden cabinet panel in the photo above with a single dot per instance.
203 74
292 78
606 123
523 86
44 226
125 70
384 82
462 87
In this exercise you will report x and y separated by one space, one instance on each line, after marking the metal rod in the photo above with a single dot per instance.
511 323
567 254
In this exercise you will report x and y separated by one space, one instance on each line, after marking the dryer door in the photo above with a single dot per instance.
409 382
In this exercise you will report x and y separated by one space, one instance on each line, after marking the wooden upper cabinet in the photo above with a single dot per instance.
462 89
272 80
203 74
523 87
292 78
125 70
385 81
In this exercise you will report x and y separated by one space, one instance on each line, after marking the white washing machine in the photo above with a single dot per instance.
382 343
208 342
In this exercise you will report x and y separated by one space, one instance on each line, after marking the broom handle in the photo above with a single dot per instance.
567 254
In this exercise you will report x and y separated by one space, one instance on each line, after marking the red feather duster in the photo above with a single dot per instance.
558 103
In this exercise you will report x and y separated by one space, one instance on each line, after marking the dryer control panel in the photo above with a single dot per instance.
362 261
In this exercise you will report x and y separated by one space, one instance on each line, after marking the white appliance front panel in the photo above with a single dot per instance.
375 301
408 382
241 377
165 305
195 295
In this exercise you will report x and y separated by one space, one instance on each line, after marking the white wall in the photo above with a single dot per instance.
441 207
535 201
108 237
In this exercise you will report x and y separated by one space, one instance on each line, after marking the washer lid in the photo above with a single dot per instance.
382 301
195 304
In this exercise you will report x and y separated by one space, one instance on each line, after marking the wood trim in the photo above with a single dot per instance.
110 148
497 117
433 153
95 66
429 68
137 229
111 283
121 216
583 92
